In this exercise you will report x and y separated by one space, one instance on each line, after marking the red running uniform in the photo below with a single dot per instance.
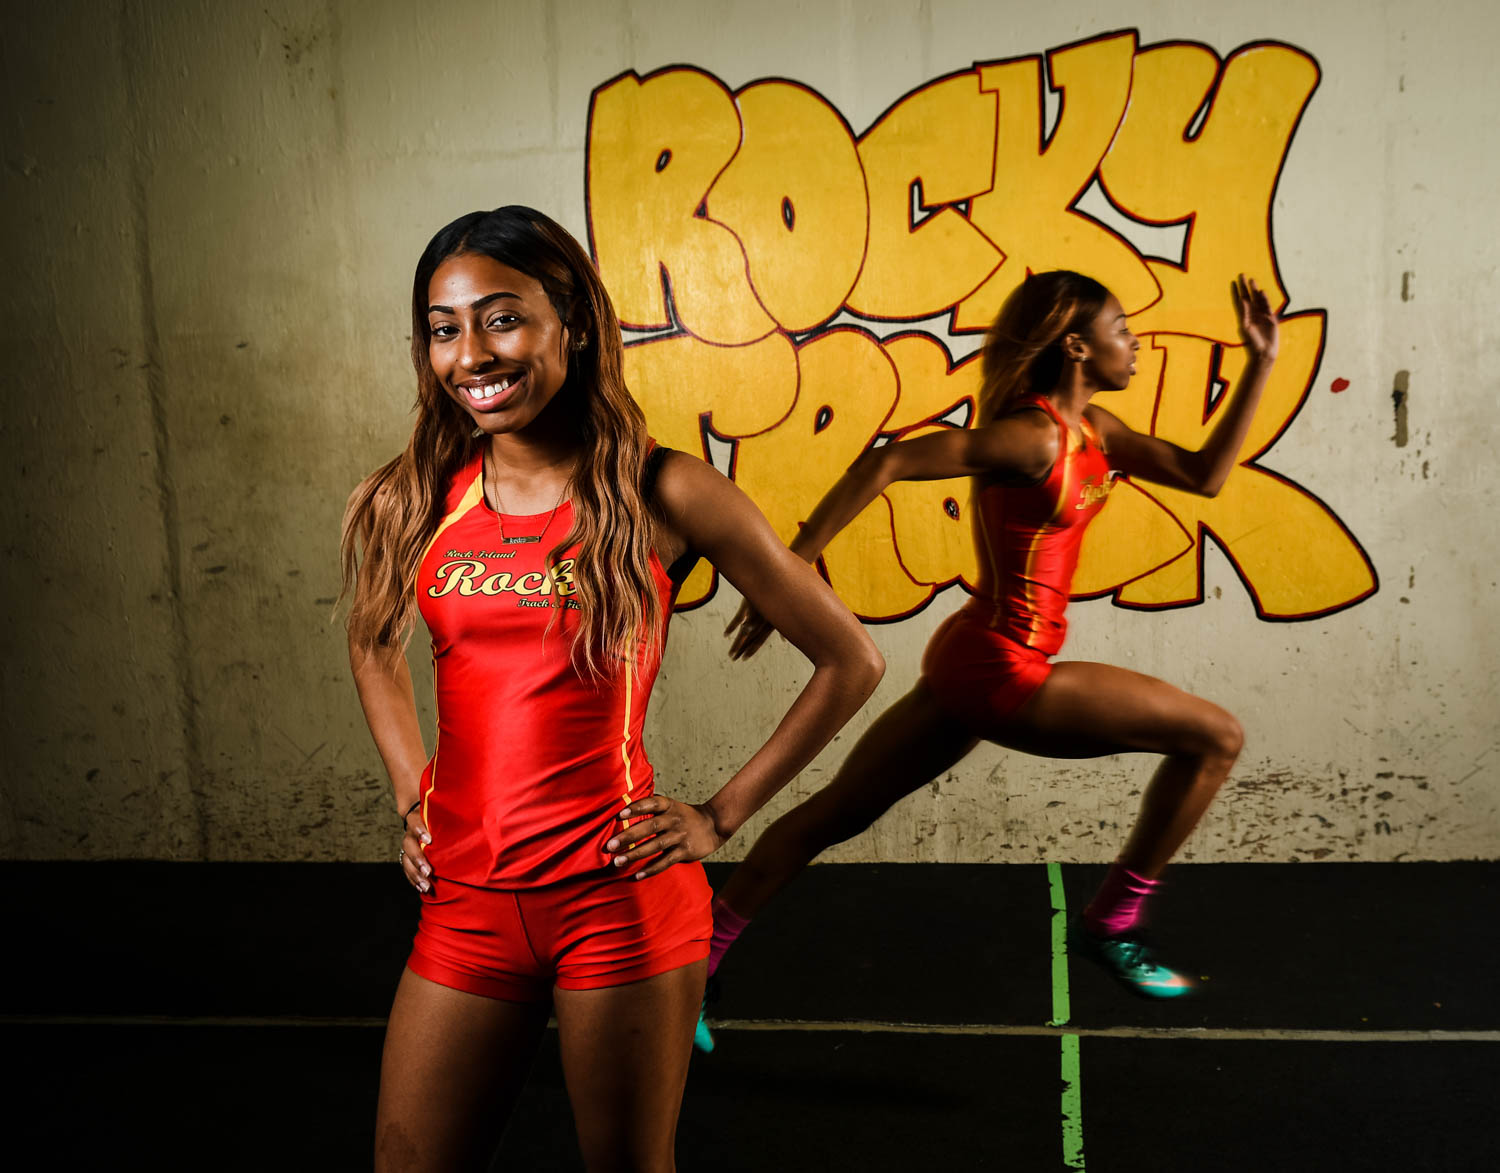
533 762
986 660
533 765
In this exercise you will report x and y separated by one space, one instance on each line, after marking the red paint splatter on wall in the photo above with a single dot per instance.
1339 385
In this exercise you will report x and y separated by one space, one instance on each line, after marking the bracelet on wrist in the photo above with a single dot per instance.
408 811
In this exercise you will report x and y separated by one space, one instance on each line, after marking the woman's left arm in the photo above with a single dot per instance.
710 515
1206 470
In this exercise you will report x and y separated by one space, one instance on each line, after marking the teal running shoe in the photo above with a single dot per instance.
703 1038
1129 962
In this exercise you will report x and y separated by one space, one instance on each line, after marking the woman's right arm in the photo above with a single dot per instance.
390 705
1022 446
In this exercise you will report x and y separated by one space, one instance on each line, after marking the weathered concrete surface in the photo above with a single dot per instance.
214 212
98 725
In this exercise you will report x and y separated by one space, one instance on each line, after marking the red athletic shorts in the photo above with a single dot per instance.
582 934
978 674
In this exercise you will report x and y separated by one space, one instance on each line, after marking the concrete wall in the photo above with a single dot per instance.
214 214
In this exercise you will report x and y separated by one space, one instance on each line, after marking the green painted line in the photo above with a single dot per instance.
1062 1010
1072 1104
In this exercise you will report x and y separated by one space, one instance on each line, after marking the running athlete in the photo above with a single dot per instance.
541 536
1043 458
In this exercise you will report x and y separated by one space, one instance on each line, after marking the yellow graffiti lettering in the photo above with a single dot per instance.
929 387
1028 211
930 519
940 140
795 197
744 224
932 527
681 383
1133 536
1293 563
655 148
848 387
1222 179
739 390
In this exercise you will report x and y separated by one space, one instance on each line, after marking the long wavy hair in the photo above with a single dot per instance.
394 512
1023 352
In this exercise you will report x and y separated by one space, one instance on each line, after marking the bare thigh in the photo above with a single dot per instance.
625 1052
452 1067
1087 710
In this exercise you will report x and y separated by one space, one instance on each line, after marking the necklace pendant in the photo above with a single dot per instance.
519 541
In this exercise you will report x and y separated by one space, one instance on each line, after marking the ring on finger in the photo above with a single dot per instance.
401 855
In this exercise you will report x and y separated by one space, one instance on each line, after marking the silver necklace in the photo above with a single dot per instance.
500 507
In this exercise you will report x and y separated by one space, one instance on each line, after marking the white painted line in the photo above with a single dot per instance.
1113 1032
230 1020
831 1026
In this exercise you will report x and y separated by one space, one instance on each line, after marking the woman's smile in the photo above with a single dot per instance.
491 392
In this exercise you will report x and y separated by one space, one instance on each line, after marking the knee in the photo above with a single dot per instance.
1224 736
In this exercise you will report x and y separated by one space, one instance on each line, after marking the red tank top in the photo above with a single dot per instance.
1027 538
533 761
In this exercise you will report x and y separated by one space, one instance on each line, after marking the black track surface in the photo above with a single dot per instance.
1352 948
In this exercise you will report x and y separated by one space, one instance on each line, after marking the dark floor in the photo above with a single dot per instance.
1366 950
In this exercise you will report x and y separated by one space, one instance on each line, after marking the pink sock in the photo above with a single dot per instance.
728 925
1119 905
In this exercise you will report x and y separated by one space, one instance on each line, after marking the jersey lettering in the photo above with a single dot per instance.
467 577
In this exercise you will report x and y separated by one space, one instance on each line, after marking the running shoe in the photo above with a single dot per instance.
1127 959
703 1038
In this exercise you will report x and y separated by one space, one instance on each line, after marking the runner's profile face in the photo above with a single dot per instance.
1109 360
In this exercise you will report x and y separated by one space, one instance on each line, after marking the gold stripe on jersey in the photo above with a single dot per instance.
996 578
473 495
625 740
432 764
1036 541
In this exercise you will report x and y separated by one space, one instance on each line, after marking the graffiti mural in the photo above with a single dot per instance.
766 259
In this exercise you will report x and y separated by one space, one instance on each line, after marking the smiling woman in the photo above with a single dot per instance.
542 536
